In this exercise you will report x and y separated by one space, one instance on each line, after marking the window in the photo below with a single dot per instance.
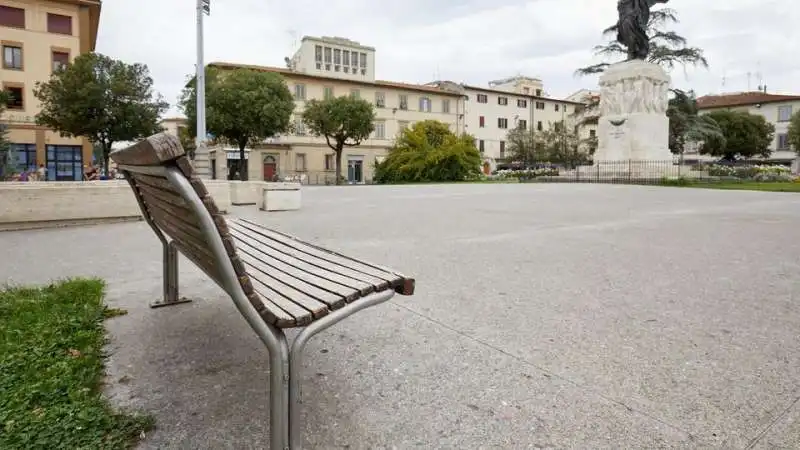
380 130
502 149
538 92
446 106
355 93
299 127
502 101
784 113
327 92
330 162
12 56
23 157
16 97
526 90
401 125
522 103
60 60
56 23
483 98
481 146
522 124
12 17
783 141
299 91
328 55
300 162
337 56
346 69
403 102
346 58
425 104
363 60
380 99
592 133
502 122
564 107
481 121
318 53
354 63
337 68
539 105
64 163
539 125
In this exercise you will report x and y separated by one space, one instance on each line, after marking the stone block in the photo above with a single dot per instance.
281 197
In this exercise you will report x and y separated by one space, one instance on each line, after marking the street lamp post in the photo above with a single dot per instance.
202 162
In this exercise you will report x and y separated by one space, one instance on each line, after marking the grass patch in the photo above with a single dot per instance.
772 186
51 370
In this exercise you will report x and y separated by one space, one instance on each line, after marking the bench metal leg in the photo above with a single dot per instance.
296 358
170 278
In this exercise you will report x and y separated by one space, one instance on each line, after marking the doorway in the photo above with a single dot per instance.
270 168
355 170
487 169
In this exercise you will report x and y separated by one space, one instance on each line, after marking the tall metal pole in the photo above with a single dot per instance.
202 162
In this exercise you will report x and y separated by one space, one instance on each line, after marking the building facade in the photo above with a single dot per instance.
299 154
515 102
38 37
777 109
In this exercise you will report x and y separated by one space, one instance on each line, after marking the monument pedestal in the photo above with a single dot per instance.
633 123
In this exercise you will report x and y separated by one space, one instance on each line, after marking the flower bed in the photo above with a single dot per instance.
749 172
527 174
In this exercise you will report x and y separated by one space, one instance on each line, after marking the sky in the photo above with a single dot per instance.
469 41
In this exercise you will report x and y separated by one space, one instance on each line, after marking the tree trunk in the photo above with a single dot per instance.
243 163
339 166
106 153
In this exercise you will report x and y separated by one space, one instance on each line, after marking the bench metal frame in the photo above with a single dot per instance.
285 361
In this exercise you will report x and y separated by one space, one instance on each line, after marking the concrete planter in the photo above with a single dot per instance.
280 197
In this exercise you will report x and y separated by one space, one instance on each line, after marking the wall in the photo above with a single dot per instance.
34 205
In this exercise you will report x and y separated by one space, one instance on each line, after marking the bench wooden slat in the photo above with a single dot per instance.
356 285
293 314
165 196
278 278
325 254
277 247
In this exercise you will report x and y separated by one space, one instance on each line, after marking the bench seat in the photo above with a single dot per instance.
298 282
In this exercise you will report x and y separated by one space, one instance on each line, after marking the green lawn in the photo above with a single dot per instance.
51 371
777 186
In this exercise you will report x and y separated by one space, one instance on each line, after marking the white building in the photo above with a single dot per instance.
334 57
777 109
509 103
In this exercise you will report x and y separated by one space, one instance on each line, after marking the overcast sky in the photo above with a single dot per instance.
471 41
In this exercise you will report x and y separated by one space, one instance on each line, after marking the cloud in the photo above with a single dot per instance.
472 41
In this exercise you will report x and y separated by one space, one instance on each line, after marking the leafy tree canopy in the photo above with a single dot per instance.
429 151
243 107
102 99
343 122
745 135
687 125
794 132
667 48
558 144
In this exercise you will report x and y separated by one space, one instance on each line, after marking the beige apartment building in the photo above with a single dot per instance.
37 37
777 109
397 106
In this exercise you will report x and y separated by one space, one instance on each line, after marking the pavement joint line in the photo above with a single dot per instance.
769 426
583 387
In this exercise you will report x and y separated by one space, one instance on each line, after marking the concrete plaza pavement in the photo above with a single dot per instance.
546 316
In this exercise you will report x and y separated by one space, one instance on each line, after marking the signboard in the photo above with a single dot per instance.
19 118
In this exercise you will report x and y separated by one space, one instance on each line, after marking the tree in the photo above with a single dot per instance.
667 48
687 125
187 141
745 135
559 144
794 132
343 121
5 145
243 107
429 151
522 146
101 99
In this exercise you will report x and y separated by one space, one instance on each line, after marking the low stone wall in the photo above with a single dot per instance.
28 205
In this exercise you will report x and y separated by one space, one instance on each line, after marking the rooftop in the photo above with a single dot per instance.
742 99
502 92
376 83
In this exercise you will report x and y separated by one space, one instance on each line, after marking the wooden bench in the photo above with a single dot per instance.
275 280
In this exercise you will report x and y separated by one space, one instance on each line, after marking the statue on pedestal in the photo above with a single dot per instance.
632 26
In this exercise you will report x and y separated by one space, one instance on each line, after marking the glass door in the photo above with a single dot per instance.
64 163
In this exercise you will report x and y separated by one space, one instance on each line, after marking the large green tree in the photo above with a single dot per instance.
343 121
5 145
794 132
429 151
522 146
101 99
243 107
687 125
745 136
667 48
560 144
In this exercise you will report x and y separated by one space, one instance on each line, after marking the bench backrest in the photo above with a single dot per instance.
168 190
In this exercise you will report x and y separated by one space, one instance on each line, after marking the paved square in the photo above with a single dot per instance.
546 316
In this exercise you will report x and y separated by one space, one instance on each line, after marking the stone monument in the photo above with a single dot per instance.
633 124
